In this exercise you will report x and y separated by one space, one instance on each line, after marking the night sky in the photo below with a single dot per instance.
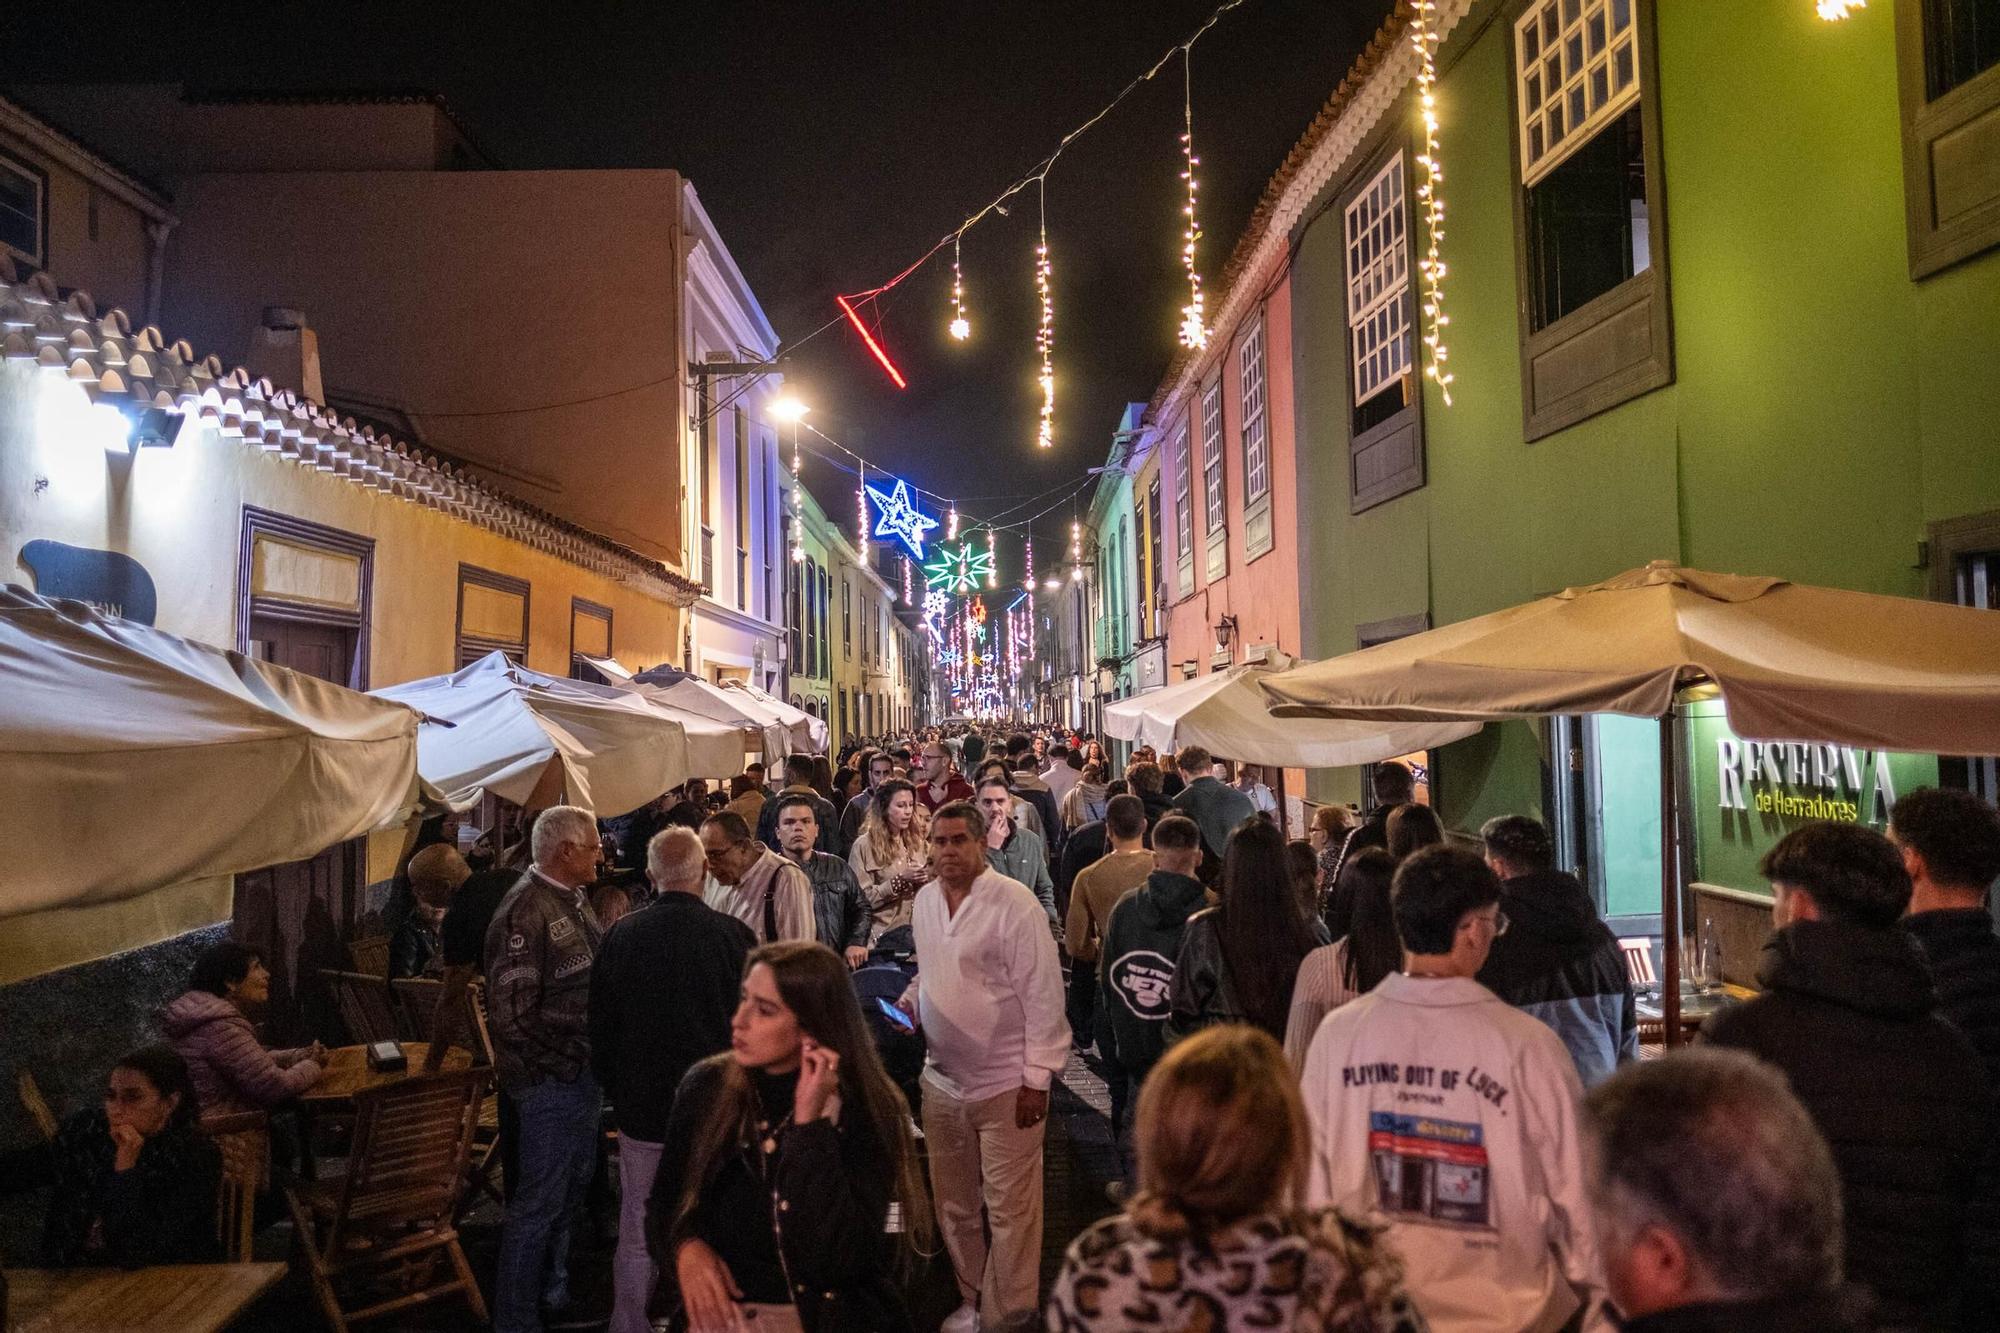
833 144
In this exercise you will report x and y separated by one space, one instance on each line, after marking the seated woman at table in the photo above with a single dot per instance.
799 1108
209 1027
135 1181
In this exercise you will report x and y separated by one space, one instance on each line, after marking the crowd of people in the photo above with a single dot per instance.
1378 1078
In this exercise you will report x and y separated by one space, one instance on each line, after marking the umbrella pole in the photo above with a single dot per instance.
1670 886
1284 815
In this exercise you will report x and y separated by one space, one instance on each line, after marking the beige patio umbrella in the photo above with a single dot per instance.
1791 662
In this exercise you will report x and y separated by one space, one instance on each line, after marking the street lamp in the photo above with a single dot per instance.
788 408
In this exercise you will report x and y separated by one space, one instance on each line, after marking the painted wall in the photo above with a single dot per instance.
1263 594
1825 406
468 291
112 265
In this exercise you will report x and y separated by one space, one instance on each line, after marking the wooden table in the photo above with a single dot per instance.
185 1298
347 1071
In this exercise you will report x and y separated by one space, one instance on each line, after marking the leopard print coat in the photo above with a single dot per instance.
1301 1273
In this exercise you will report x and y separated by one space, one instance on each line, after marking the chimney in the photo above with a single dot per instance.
284 351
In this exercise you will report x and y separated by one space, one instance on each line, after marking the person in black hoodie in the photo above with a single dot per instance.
1950 841
1393 785
1556 959
1142 939
1849 1014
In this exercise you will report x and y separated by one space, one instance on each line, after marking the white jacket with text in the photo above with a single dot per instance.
1451 1117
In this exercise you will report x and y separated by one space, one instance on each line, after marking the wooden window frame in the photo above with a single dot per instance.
1258 538
319 537
596 611
475 576
1181 460
1618 346
1214 480
1404 430
1965 122
40 177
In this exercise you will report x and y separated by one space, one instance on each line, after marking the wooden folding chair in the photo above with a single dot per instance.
371 955
1638 951
35 1104
416 1006
485 1164
366 1005
383 1234
245 1142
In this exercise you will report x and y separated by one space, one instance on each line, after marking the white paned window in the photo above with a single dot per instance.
1378 282
1256 442
1577 62
1183 497
1211 456
23 192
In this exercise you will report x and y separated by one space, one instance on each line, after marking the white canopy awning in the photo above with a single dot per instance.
132 758
1224 713
540 740
809 734
765 733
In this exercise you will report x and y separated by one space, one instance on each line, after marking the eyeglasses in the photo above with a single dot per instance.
716 854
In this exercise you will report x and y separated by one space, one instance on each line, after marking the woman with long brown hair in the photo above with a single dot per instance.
786 1159
1238 960
892 855
1216 1236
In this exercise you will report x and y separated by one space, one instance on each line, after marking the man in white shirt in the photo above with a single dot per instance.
989 996
1250 781
1444 1112
1061 774
765 891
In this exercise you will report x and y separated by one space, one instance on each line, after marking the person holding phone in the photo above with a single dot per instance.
783 1156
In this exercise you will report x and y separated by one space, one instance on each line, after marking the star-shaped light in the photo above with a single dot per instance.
896 517
957 569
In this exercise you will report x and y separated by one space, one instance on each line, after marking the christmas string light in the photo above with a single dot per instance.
1045 334
1194 328
992 579
798 508
861 505
906 582
961 328
951 524
1430 195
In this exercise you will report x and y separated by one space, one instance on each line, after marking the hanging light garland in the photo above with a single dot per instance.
1028 556
1045 333
861 508
1194 327
1430 195
992 578
961 327
797 507
951 523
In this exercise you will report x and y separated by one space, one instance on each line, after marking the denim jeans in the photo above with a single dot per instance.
558 1151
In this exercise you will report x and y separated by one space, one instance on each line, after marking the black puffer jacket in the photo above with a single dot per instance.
1560 963
1850 1015
1964 956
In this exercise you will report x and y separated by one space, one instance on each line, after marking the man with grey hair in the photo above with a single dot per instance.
1717 1205
539 950
765 891
675 959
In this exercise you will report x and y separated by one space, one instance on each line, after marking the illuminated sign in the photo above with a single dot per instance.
896 517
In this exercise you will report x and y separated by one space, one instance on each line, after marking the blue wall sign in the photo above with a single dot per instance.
113 583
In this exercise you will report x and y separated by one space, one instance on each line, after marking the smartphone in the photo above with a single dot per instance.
903 1022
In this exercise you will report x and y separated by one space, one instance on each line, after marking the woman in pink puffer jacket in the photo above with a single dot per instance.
232 1071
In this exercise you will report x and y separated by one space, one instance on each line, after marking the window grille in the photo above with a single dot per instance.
1378 283
1577 62
1256 444
1211 456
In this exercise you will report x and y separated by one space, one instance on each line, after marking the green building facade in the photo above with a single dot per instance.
1795 372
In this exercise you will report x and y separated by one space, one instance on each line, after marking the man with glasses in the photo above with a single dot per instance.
1560 962
1449 1116
937 785
763 890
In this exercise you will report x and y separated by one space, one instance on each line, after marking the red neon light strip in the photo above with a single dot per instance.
873 346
